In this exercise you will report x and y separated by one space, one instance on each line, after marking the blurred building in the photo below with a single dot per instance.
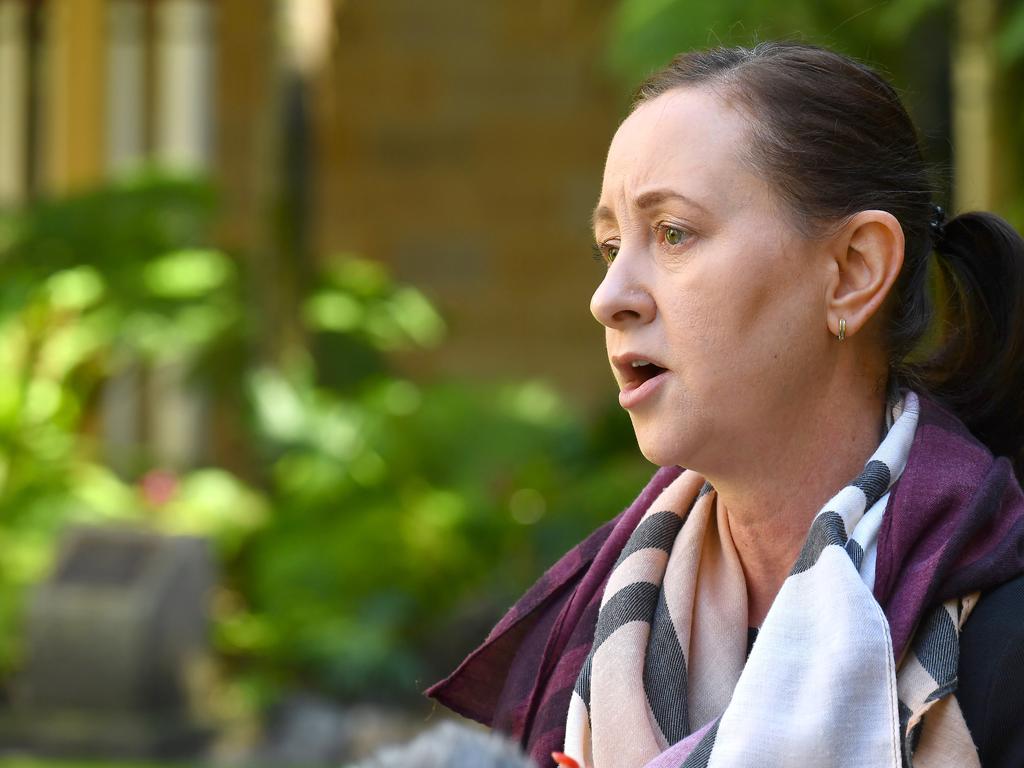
459 142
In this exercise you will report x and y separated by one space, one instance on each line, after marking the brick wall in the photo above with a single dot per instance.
462 143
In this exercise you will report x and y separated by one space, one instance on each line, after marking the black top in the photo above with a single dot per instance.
991 685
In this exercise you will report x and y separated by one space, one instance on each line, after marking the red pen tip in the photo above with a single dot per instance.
564 760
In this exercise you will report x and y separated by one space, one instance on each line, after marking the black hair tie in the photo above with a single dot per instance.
938 223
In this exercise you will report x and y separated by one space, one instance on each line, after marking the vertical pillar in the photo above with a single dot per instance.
75 58
176 412
182 143
974 76
284 264
184 74
126 77
121 410
13 100
306 32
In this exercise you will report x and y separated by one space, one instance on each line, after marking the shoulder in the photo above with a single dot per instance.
991 675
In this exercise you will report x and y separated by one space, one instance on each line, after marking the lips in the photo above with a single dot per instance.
638 375
635 370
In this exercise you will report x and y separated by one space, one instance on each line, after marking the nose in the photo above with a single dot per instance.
622 298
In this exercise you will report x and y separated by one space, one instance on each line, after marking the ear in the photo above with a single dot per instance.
868 256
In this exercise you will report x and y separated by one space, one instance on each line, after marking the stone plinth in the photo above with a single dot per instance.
110 639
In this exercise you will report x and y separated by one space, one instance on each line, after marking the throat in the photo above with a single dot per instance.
767 546
648 372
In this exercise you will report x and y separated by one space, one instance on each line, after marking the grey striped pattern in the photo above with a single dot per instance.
874 481
665 675
657 531
634 602
926 676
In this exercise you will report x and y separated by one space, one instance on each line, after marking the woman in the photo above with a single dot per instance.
836 578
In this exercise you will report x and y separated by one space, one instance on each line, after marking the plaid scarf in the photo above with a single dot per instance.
954 525
667 681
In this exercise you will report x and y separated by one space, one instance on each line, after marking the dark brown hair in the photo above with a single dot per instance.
833 138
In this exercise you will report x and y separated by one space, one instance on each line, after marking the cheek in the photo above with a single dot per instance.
758 317
702 343
783 346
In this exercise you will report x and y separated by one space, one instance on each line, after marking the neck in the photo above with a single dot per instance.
770 502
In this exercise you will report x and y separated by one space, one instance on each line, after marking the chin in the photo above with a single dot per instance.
661 459
658 448
677 439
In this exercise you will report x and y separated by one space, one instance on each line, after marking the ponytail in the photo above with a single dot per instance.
978 368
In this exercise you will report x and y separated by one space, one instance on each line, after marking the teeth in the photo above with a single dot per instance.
639 363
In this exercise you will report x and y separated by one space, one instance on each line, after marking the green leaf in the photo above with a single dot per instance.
279 409
1010 42
362 277
417 317
75 289
214 503
187 274
333 311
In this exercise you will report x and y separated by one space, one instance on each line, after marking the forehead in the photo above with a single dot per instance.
687 137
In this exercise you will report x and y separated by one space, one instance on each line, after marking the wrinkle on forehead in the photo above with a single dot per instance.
734 181
686 139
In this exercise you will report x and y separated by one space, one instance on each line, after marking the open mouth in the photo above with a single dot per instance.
642 371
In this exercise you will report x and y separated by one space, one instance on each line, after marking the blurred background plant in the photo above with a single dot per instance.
372 512
89 283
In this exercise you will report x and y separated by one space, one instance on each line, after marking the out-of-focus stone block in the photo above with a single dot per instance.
110 638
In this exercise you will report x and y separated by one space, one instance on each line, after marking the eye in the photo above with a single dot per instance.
671 234
606 252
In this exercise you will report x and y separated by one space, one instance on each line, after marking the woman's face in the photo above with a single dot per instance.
708 280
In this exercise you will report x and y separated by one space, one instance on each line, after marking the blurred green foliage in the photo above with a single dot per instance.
647 33
26 761
374 516
79 298
913 42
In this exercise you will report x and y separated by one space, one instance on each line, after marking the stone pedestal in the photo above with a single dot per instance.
111 637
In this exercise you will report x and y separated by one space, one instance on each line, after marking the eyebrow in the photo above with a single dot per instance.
644 201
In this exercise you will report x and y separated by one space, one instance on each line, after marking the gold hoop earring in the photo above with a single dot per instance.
842 329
